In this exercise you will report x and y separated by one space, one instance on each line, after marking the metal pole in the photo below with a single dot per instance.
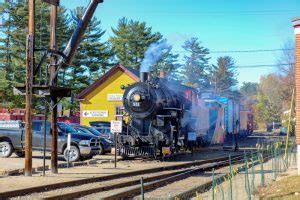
68 149
230 178
213 184
115 136
29 81
289 126
53 67
142 188
45 135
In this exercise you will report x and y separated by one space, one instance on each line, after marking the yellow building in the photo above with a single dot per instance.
102 101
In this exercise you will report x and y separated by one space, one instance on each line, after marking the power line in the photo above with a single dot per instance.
243 51
252 51
232 12
264 65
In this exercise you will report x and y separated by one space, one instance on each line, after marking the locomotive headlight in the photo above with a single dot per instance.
137 97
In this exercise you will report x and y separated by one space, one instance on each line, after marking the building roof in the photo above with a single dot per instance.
129 71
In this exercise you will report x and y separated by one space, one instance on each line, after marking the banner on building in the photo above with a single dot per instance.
114 97
95 113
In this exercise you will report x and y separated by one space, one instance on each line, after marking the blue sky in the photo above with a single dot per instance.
219 24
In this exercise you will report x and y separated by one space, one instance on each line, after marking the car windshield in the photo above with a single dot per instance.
104 130
92 130
66 128
82 130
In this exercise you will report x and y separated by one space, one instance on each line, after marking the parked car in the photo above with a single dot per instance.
12 139
105 143
272 126
100 124
283 131
105 132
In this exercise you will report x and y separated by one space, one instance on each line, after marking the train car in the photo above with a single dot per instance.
232 122
216 118
17 114
246 122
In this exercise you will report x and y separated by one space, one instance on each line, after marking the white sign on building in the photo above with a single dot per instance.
95 113
114 97
116 126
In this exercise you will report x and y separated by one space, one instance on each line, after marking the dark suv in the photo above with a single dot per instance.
105 143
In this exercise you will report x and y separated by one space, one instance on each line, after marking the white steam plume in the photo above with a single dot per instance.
153 54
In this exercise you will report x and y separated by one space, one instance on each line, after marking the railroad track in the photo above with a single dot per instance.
153 178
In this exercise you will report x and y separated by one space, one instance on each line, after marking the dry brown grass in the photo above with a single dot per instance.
286 188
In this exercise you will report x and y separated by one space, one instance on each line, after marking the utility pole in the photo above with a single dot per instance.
29 82
53 77
296 24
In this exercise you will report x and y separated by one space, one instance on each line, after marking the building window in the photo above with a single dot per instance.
119 111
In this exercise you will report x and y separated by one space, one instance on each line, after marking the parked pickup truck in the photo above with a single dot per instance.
12 139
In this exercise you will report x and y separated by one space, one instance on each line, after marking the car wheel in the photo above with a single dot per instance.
20 154
101 149
74 154
6 149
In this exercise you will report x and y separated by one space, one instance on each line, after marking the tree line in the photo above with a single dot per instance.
95 55
271 98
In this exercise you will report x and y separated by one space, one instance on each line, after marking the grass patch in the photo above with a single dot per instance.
286 188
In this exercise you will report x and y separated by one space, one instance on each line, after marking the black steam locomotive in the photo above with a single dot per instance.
156 124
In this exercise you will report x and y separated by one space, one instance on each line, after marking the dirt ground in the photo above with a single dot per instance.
100 168
287 187
9 183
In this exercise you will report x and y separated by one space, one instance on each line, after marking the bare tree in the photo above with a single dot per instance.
286 72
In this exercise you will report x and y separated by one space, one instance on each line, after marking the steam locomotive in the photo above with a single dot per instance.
157 123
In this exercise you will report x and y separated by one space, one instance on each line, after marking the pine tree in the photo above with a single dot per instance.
131 40
223 77
13 41
92 59
3 80
196 64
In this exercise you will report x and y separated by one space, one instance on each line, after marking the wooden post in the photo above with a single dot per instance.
53 68
29 82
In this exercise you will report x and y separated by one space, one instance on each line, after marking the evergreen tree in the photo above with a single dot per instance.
3 80
92 59
223 76
13 41
249 88
196 64
131 40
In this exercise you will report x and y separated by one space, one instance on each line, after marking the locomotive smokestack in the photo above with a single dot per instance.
162 73
144 76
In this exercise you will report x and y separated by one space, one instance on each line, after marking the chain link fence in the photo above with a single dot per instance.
245 177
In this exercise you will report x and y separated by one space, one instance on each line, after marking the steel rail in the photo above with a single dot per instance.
151 182
158 183
206 186
61 185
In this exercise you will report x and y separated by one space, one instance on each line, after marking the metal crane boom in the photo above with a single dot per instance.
77 35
